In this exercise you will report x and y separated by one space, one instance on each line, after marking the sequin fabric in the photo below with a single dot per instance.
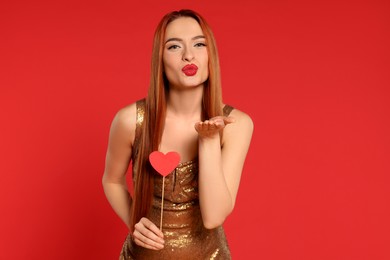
184 234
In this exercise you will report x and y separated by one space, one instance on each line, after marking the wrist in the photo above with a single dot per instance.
209 140
214 137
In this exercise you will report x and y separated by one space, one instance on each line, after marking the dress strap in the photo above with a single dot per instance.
140 114
227 109
140 106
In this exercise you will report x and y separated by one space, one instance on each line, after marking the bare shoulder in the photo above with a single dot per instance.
124 122
241 129
242 118
126 114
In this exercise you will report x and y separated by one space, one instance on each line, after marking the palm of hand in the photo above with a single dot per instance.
212 127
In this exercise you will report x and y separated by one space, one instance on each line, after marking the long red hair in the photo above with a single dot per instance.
155 109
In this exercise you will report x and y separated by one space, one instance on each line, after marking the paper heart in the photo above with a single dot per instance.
164 164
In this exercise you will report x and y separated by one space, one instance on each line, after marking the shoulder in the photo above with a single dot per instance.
241 118
241 128
126 115
124 122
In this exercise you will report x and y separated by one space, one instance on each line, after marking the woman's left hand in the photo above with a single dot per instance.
212 127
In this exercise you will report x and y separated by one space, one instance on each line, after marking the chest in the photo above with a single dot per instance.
180 137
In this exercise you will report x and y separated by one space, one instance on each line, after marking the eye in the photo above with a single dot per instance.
200 44
173 47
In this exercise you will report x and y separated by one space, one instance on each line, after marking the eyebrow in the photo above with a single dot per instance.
180 40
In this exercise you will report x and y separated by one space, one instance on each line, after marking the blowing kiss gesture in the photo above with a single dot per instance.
211 128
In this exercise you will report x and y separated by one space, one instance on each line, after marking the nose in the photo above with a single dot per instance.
188 55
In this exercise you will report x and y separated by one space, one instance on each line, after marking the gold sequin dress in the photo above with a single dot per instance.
184 234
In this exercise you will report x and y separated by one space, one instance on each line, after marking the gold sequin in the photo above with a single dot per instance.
175 241
140 115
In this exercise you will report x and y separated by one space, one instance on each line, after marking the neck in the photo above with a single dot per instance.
185 103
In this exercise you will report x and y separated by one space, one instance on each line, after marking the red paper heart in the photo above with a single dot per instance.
164 164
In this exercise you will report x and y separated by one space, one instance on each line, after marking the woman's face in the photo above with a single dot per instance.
185 55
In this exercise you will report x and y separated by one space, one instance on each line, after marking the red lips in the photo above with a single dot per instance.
190 69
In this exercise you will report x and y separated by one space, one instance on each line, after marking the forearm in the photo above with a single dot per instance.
214 196
119 198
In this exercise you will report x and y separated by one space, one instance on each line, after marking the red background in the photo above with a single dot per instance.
313 75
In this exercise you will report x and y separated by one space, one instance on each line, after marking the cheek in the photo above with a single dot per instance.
206 74
167 64
165 61
169 69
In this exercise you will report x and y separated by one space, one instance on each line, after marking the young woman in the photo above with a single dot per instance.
183 112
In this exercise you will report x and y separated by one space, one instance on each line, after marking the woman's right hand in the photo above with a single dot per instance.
147 234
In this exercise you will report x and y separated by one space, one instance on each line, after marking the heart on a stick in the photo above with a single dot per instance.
164 164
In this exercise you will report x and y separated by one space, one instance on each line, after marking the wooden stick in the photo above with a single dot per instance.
162 202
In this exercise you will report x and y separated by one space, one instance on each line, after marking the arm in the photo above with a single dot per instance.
220 169
118 156
119 151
